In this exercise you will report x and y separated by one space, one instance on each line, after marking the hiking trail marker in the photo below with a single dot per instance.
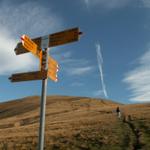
48 66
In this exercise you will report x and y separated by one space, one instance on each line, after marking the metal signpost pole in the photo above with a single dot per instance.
42 110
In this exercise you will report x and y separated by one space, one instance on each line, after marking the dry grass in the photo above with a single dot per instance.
71 123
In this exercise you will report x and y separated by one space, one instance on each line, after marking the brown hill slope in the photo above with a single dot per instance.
71 123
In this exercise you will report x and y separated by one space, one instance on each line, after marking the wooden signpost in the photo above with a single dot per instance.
55 39
48 66
52 69
37 75
29 45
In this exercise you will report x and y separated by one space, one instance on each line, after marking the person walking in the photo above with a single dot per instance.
118 112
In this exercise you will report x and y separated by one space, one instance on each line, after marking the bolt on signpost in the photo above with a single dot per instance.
48 66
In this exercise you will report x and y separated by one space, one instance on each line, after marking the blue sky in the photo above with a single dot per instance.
111 60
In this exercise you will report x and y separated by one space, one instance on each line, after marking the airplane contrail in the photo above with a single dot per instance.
100 66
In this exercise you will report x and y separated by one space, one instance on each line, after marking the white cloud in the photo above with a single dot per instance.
62 56
115 4
77 84
74 62
8 61
100 66
80 70
98 93
28 17
138 79
23 18
107 4
71 65
146 3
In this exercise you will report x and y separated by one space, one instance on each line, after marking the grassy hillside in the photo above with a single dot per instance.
74 123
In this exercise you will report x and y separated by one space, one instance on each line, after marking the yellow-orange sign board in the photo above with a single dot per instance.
52 64
53 68
52 76
30 45
55 39
41 59
52 61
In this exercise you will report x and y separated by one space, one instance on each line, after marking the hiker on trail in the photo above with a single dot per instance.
118 112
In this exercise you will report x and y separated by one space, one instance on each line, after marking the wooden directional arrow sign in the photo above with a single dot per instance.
29 45
52 66
52 69
52 62
64 37
56 39
20 49
37 75
52 75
